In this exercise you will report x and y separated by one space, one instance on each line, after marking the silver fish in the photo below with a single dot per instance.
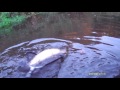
45 57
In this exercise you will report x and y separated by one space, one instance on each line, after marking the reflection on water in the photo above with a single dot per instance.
64 25
97 33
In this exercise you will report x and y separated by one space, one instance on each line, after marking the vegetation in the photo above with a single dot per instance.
10 19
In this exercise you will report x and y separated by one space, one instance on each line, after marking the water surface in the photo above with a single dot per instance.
94 50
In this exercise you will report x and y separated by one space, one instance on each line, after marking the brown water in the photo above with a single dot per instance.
73 26
99 32
65 25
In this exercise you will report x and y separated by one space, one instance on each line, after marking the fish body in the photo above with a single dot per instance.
45 57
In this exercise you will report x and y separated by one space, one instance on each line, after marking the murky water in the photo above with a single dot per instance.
92 39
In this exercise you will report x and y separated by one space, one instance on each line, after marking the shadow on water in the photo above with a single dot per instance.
93 40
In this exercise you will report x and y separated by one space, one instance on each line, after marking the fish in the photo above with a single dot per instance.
45 57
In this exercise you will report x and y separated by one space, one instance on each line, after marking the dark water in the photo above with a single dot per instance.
94 40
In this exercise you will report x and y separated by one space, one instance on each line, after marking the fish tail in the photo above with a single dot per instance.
28 74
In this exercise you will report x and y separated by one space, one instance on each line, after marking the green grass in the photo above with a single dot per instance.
7 22
10 19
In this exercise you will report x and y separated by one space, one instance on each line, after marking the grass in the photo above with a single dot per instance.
7 21
10 19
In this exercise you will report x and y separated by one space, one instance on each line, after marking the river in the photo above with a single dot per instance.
93 40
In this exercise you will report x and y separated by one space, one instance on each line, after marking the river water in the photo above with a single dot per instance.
93 40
